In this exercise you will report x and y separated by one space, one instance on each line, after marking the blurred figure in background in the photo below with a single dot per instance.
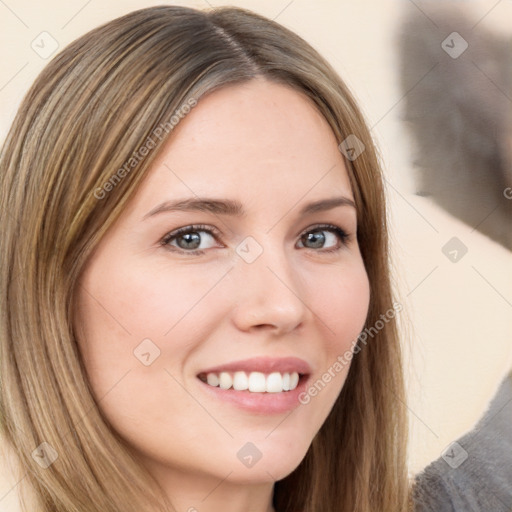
456 78
457 81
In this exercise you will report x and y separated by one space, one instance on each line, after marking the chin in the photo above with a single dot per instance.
274 464
261 473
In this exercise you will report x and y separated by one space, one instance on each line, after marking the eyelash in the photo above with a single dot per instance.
342 235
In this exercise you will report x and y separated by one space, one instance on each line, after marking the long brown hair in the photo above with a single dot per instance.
65 180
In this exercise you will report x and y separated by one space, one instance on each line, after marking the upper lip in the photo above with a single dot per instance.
263 365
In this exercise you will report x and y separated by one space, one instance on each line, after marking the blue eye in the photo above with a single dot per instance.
188 239
312 236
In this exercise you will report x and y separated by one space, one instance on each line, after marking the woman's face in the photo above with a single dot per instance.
272 291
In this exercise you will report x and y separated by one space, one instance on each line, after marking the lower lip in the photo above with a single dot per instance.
261 403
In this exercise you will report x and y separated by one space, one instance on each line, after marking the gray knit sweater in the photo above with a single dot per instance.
475 474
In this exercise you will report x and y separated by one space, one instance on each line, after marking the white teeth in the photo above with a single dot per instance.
255 382
294 380
240 381
212 379
225 380
286 382
274 383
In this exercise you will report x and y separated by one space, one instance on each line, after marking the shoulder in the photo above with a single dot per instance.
476 472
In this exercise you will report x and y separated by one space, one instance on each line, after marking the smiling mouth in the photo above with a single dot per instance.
253 382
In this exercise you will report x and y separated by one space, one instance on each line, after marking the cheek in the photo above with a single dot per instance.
119 308
122 302
342 305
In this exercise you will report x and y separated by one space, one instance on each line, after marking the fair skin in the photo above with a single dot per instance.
266 146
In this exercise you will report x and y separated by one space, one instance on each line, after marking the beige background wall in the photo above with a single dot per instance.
460 314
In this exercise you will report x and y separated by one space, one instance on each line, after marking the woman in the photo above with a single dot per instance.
257 373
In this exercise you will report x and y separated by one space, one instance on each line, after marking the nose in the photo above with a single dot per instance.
268 293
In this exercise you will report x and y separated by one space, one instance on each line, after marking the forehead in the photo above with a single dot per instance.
247 140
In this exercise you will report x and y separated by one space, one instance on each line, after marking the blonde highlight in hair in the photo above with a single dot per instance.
89 111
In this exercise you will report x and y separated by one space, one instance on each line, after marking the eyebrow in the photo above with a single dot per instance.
234 208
